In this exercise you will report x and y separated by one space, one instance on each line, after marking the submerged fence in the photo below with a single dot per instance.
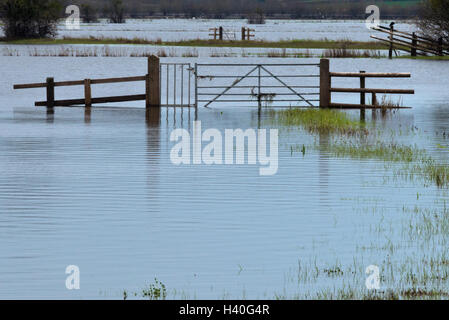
326 88
151 95
221 34
411 43
257 84
194 85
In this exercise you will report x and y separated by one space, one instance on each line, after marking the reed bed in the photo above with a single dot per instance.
297 43
117 51
351 53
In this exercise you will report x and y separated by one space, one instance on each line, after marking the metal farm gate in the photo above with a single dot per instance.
275 85
176 84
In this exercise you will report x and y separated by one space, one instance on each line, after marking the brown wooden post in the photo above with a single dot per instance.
440 46
153 72
362 86
390 51
414 43
220 33
147 91
50 95
362 97
50 92
87 93
325 84
243 33
374 98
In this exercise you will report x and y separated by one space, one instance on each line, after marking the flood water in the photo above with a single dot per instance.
190 29
101 192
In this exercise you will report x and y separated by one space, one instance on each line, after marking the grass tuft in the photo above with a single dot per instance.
321 121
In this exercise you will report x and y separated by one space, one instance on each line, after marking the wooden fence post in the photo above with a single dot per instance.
87 93
50 94
440 46
147 91
362 86
243 33
220 33
153 73
390 51
325 84
414 43
362 97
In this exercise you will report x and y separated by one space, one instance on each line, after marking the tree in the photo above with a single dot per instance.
30 18
116 12
88 13
434 19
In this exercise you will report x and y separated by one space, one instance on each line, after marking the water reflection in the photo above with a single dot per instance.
50 115
153 153
87 115
323 170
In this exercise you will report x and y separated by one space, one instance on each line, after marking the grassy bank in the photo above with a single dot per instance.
292 44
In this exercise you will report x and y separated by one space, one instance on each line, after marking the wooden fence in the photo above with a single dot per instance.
411 43
326 88
152 80
151 96
247 34
221 34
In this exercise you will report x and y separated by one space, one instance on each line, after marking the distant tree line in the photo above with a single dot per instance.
293 9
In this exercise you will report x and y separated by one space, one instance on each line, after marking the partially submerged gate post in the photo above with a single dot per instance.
88 100
153 91
390 50
50 83
325 84
362 96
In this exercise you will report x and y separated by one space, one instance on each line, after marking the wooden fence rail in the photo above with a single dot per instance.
416 45
326 88
151 96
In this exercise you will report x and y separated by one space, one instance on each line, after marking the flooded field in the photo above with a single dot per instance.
188 29
101 192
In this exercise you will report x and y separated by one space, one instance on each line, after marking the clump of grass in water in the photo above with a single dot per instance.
321 121
430 170
155 291
418 162
388 152
387 102
350 53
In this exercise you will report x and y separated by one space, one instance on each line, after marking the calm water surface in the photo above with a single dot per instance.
188 29
101 193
